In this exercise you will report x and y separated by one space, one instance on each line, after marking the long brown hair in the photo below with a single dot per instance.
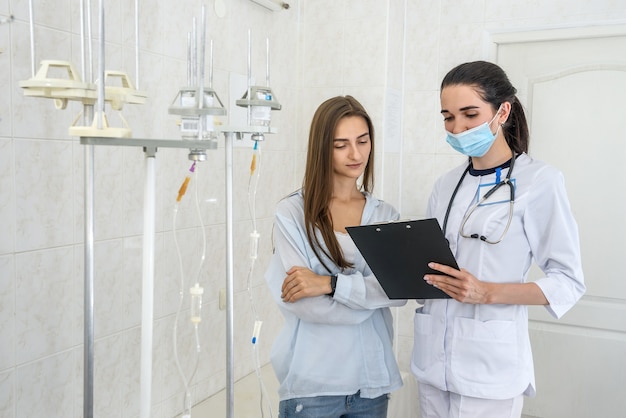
494 87
317 186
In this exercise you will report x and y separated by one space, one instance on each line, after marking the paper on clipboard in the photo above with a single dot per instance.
399 252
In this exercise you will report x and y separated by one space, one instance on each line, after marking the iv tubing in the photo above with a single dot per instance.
201 226
252 189
180 304
254 166
263 389
255 174
183 189
187 381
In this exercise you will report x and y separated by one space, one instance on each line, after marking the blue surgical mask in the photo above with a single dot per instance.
474 142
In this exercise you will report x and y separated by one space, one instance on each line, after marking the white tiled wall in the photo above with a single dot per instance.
319 48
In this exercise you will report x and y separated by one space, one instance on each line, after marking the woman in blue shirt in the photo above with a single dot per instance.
334 356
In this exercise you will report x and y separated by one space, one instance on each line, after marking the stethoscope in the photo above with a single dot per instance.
507 181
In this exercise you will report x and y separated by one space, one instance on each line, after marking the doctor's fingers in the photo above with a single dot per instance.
466 290
450 275
450 286
447 270
461 280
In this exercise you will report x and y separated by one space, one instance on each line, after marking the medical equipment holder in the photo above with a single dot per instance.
150 147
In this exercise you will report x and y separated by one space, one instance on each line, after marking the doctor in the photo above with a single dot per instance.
500 211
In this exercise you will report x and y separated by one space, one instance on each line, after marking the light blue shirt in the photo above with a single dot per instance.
331 346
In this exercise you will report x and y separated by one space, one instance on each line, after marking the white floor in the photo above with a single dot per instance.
247 397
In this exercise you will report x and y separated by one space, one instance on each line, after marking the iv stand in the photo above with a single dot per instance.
150 147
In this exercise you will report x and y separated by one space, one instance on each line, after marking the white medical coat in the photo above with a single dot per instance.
484 351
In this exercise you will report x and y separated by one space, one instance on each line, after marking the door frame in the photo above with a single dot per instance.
493 38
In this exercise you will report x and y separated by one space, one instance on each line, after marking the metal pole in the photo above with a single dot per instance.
249 76
31 11
201 119
137 44
230 381
194 53
89 75
88 326
147 293
211 64
189 60
267 68
201 59
101 69
83 68
89 272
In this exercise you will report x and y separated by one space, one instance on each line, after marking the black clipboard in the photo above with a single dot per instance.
399 252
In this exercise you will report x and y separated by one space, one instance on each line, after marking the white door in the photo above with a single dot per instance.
572 83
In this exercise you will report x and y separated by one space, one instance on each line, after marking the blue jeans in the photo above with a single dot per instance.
351 406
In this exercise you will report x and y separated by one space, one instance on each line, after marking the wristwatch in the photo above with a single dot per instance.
333 285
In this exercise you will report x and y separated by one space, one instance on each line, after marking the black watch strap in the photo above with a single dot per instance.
333 285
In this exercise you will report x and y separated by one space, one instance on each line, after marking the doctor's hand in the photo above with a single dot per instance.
460 285
303 283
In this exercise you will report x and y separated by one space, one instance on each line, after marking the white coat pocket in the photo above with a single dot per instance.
422 329
428 350
485 353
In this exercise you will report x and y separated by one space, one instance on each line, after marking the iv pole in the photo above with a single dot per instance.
88 354
88 112
230 380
